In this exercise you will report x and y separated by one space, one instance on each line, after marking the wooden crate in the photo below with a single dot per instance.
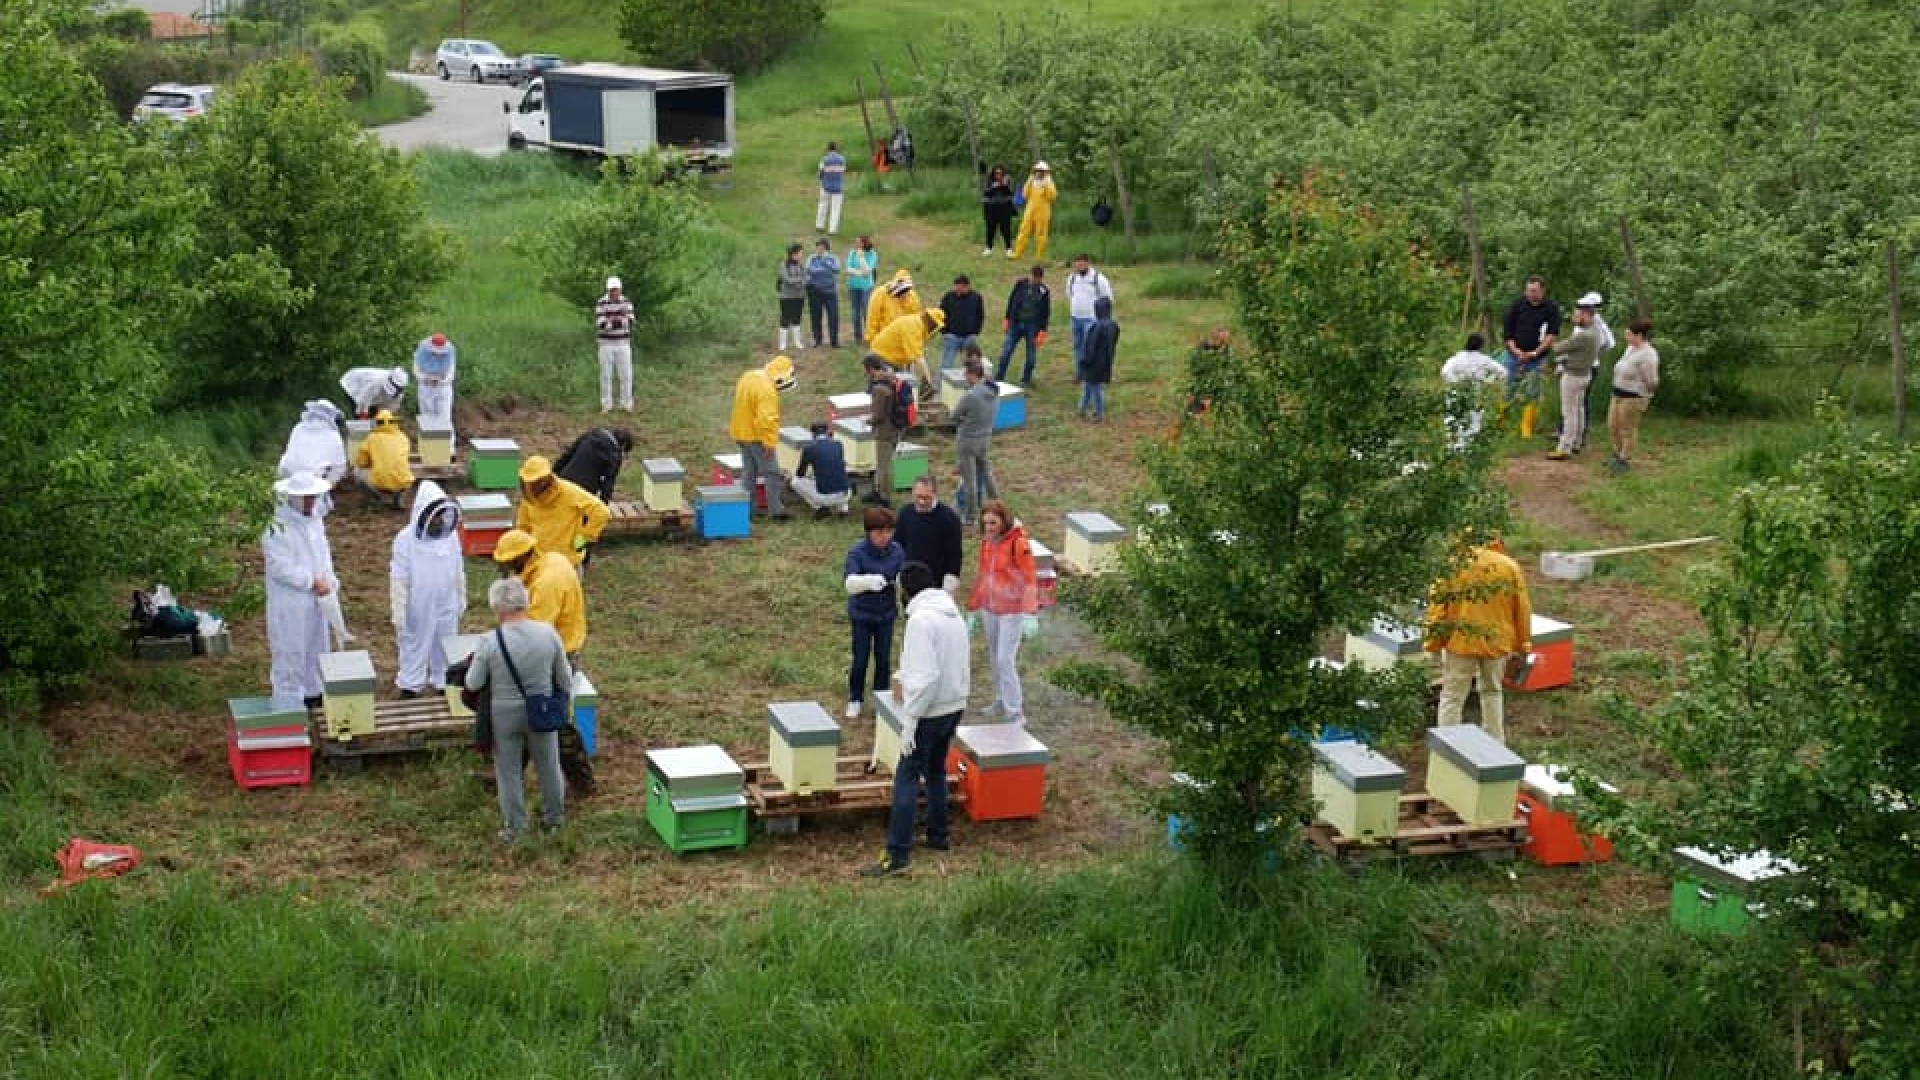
625 519
856 787
1427 827
399 727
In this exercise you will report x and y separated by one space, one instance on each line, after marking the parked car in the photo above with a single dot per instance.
478 60
533 64
173 101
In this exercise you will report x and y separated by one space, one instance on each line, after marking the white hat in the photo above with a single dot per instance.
613 283
301 483
1041 166
1592 299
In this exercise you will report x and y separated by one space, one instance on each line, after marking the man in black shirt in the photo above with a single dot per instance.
930 532
966 317
1531 325
821 477
593 461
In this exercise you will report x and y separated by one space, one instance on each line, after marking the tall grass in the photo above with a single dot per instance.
1139 969
390 102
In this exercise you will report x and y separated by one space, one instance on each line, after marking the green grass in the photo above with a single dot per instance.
390 102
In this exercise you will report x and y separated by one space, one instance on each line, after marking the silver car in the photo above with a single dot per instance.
480 61
174 101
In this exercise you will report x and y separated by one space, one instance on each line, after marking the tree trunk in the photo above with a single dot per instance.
1899 341
860 88
1120 186
1642 303
1476 312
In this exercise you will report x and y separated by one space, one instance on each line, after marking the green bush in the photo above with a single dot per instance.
355 51
728 35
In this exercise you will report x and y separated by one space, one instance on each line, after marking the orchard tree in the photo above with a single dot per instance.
1314 494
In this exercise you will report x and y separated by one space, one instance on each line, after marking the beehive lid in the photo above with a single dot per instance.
796 436
843 404
663 470
1098 528
583 691
347 672
359 427
1000 746
1476 753
909 450
1042 554
733 463
887 711
954 377
494 448
717 494
1360 768
853 427
693 771
434 429
481 509
1733 871
803 723
251 713
1011 390
1547 631
1552 785
458 647
1395 636
279 740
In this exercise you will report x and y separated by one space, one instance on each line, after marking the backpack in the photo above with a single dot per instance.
1102 213
905 412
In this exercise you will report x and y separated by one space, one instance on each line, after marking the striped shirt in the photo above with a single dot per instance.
613 319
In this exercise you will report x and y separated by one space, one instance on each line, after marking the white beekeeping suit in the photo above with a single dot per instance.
315 446
372 389
299 579
429 577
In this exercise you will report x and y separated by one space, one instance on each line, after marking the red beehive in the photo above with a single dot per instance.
270 757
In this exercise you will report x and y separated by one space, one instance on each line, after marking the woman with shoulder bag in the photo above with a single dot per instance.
525 667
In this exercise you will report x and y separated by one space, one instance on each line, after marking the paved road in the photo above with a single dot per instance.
464 116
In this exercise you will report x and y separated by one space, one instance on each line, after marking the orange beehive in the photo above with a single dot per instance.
1554 836
1003 771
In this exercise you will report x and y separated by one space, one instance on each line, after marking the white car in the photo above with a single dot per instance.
478 60
173 101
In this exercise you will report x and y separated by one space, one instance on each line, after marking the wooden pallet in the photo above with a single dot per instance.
439 474
1427 827
636 519
856 787
399 727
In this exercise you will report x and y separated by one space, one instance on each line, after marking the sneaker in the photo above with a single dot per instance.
886 867
1557 455
986 251
409 695
853 710
996 709
507 837
1017 718
938 845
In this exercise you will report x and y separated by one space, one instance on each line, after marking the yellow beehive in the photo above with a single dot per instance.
436 444
953 387
793 440
663 485
886 732
804 745
347 697
855 436
1474 774
458 647
1358 790
1387 642
1093 542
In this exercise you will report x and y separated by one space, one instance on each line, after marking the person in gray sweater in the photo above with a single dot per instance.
791 288
1577 357
973 435
541 660
1635 377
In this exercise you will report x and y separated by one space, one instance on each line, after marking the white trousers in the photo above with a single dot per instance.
809 491
423 657
436 402
616 357
827 217
1573 411
1003 649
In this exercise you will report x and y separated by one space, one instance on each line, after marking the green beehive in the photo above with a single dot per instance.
694 799
493 464
1717 893
909 464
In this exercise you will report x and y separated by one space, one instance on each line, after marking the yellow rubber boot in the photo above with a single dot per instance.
1527 415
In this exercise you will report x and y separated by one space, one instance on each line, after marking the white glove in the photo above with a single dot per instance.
908 729
865 583
1029 625
949 583
399 603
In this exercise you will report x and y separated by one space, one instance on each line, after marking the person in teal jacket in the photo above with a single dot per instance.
861 263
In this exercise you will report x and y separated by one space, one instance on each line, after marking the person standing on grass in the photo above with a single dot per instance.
862 262
930 694
1476 619
1096 366
755 427
821 477
613 327
1028 308
1635 377
1086 287
930 532
1006 590
434 370
973 436
1035 223
872 568
1576 357
791 288
1467 371
966 313
1531 326
996 205
427 580
823 292
883 387
521 657
833 186
1593 301
300 578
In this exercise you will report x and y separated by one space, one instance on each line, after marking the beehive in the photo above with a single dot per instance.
1045 570
729 468
855 436
347 699
1358 790
1093 542
586 712
1387 642
804 744
663 485
1551 808
1553 646
1003 771
849 407
695 800
720 512
1011 409
458 647
887 727
272 757
1720 893
909 464
493 464
436 443
1473 773
266 713
953 387
482 519
793 440
357 432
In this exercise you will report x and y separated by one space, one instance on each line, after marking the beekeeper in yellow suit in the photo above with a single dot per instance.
755 428
554 595
383 454
1038 217
897 299
903 345
560 515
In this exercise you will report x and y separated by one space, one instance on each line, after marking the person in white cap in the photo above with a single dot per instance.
300 579
428 576
315 446
372 389
1037 218
613 326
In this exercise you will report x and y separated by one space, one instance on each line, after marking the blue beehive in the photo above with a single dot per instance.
1011 412
721 512
586 711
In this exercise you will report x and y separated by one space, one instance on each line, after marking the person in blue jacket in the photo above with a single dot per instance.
873 568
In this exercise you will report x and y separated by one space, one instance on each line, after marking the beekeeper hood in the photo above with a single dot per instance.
901 285
397 379
434 515
780 370
321 413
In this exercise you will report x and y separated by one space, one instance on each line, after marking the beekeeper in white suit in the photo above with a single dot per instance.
372 389
429 577
300 580
315 446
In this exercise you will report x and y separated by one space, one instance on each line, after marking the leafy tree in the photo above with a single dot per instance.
94 227
1797 729
644 223
728 35
1314 494
317 252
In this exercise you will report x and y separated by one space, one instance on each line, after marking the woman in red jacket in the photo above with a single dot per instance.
1005 592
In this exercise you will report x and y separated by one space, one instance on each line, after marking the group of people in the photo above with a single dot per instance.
1000 203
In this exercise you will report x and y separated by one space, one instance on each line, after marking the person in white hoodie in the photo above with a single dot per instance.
429 589
930 692
315 446
300 580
